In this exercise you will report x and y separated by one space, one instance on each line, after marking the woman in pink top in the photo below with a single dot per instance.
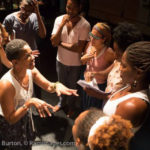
99 56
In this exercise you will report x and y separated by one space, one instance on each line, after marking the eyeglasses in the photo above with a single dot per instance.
94 36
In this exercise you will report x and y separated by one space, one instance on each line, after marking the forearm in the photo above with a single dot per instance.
42 29
56 38
72 47
17 115
4 59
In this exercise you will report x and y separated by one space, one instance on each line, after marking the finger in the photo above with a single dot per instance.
40 113
47 111
58 92
49 106
75 94
66 92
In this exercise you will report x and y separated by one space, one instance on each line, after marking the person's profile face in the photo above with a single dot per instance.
72 9
127 72
26 59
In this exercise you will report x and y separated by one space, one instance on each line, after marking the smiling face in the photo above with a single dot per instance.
72 9
26 59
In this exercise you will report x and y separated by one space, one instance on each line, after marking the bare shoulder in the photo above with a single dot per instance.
133 109
134 103
34 72
110 54
6 87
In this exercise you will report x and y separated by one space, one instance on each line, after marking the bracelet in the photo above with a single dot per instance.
25 107
54 86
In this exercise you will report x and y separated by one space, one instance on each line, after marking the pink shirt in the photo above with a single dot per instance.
97 64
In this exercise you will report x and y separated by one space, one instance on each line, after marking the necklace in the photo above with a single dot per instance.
119 91
20 82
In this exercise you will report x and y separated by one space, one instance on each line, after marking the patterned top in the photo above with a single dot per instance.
114 81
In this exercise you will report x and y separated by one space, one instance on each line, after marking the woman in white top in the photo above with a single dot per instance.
131 102
16 124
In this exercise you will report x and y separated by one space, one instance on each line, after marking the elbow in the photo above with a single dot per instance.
54 43
10 121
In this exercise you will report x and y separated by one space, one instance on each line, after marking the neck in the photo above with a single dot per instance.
20 74
21 19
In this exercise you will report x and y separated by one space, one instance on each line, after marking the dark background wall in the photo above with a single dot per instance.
110 11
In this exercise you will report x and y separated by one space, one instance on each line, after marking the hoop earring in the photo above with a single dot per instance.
134 83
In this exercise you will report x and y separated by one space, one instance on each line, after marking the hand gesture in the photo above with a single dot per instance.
36 53
41 106
35 6
61 89
65 19
88 76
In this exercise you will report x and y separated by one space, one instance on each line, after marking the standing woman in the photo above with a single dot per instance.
99 56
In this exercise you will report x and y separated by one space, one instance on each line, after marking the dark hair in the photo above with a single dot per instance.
14 48
78 2
84 125
138 55
114 135
27 2
125 34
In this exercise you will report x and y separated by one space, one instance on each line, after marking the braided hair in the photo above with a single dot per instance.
138 55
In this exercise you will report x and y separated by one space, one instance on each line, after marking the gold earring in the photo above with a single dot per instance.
134 83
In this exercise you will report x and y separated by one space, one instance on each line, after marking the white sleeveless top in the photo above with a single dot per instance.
111 105
21 95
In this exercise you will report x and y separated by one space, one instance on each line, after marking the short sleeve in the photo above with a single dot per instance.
8 24
56 24
34 21
84 36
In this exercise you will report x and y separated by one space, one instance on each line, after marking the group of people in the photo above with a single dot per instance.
122 71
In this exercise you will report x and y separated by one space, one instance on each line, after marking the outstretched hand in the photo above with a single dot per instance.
61 89
42 107
36 53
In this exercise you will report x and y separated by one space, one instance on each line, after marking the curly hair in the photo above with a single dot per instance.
84 125
125 34
14 48
113 135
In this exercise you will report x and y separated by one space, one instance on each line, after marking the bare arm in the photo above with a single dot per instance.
13 115
77 47
128 110
57 87
94 93
42 29
4 58
55 38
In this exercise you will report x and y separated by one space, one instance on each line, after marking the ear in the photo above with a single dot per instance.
14 62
